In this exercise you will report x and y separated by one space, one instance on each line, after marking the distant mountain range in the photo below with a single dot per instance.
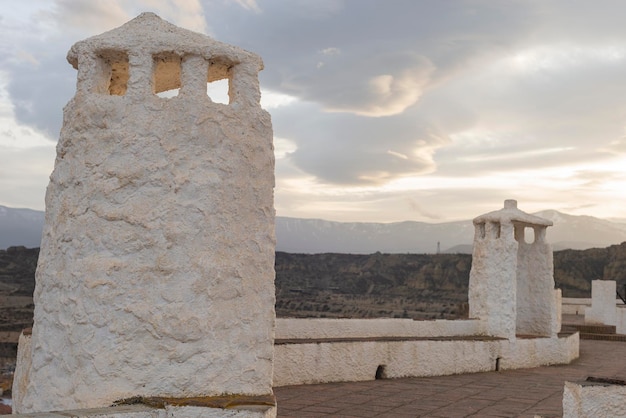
294 235
20 227
317 236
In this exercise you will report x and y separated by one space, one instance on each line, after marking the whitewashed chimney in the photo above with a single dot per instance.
156 272
511 284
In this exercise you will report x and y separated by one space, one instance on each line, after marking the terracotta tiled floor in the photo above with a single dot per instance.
515 393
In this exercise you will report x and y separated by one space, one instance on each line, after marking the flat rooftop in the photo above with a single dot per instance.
509 393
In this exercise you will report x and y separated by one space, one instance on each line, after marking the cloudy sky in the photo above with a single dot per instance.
425 110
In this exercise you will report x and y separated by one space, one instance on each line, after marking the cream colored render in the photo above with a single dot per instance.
156 271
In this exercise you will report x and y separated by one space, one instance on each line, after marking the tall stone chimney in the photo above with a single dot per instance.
156 272
511 284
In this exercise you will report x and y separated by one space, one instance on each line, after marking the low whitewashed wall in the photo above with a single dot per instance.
582 306
327 361
575 306
141 411
307 363
523 353
597 401
602 308
315 328
603 303
620 318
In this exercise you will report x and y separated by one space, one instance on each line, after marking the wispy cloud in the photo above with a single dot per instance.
251 5
456 105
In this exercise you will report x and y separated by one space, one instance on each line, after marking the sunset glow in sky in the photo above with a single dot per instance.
423 110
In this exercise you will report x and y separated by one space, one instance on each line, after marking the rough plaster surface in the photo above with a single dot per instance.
358 361
557 315
525 353
156 271
603 304
311 328
494 267
575 306
605 309
322 362
594 401
511 281
620 319
22 369
535 289
140 411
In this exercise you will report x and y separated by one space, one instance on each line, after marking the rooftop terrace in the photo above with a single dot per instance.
511 393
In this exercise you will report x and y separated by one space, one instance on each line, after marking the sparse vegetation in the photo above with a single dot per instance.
377 285
415 286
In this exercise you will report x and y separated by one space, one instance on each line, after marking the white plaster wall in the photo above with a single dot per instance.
603 303
620 319
436 358
199 412
296 364
535 289
594 401
575 306
532 352
312 328
307 363
140 411
492 283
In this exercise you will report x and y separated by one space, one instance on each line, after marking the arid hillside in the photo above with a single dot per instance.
376 285
420 286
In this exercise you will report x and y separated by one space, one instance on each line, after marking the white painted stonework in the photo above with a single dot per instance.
156 271
605 309
511 281
603 303
317 328
141 411
594 401
307 362
557 315
575 306
620 318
